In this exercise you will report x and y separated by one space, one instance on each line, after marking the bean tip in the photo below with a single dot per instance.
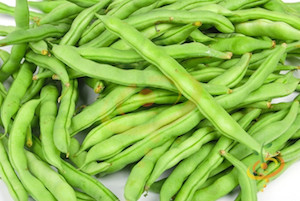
222 152
273 43
55 77
269 105
229 91
45 52
35 77
197 24
284 45
229 55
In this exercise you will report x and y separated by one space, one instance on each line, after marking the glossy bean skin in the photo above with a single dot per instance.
216 8
15 94
179 16
260 13
43 75
17 51
78 179
233 5
233 44
116 143
141 171
81 22
17 153
114 126
212 161
275 30
34 34
175 155
5 30
101 108
50 63
176 35
122 11
8 175
61 12
199 37
61 135
60 189
48 112
187 85
33 89
235 74
182 171
187 50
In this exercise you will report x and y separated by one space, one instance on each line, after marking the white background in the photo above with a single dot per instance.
286 187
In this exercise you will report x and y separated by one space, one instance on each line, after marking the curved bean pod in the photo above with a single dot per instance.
233 44
8 175
276 30
61 135
48 112
145 20
15 94
108 148
34 34
233 5
60 189
182 171
17 153
5 30
81 22
235 74
45 6
116 125
187 50
61 12
78 179
50 63
199 37
140 172
39 47
248 186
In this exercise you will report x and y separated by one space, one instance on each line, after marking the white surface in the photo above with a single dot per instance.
286 187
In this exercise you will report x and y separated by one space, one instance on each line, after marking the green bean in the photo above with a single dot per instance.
8 175
48 111
185 5
83 196
233 44
45 6
17 153
187 148
145 20
50 63
279 6
260 13
256 80
81 22
291 151
181 172
234 5
141 171
5 30
33 90
188 50
116 125
61 135
74 177
3 91
4 56
108 148
34 34
207 74
262 27
39 47
181 78
61 12
122 11
213 160
198 36
17 51
176 35
248 187
235 74
95 84
60 189
101 108
43 75
15 94
9 10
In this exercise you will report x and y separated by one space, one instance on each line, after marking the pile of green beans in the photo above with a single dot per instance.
91 87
